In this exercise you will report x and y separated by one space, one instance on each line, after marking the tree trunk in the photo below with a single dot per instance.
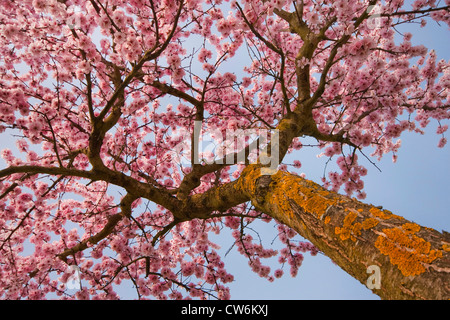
413 261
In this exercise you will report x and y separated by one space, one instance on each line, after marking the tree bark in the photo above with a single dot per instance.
414 261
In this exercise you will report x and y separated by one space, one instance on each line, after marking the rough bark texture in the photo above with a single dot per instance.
414 261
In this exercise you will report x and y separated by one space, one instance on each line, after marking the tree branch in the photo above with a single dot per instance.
125 206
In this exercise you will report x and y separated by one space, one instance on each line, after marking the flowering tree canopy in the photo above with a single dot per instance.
109 101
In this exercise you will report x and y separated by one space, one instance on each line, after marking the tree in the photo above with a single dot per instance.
125 114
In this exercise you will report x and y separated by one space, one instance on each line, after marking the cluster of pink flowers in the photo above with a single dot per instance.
292 253
254 252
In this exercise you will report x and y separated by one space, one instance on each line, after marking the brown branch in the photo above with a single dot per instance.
164 231
100 126
165 88
109 228
401 13
56 171
133 186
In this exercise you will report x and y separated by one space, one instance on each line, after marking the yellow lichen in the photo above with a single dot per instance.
348 229
248 178
327 220
317 203
369 223
383 214
283 190
344 234
411 228
356 230
285 124
406 250
311 198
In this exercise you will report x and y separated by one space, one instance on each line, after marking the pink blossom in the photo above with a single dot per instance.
35 127
442 129
278 273
209 67
297 164
204 55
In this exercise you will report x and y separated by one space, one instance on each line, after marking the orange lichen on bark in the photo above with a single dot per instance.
248 178
316 201
369 223
282 191
285 188
384 214
349 230
406 250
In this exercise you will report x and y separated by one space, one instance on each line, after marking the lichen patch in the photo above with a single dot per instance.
409 252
